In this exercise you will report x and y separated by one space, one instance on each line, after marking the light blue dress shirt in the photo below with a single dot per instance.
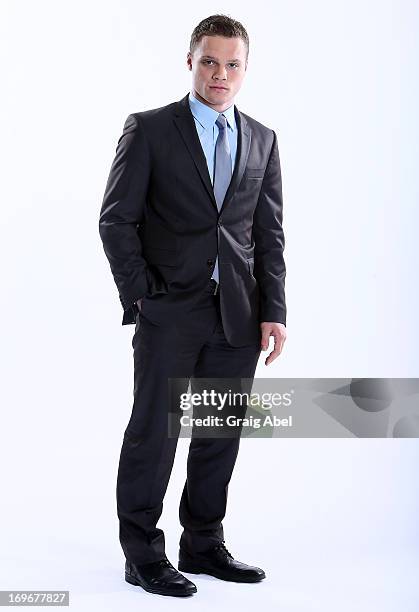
205 118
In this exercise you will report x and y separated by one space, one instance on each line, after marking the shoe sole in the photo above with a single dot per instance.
136 582
194 569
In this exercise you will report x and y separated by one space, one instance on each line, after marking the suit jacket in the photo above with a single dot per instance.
160 226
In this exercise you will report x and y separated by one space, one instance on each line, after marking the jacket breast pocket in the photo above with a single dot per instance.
254 173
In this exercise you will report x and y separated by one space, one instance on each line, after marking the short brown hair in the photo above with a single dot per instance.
219 25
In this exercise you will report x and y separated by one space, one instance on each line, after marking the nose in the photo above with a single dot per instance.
221 73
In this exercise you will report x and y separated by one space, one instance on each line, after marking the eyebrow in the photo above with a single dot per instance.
214 58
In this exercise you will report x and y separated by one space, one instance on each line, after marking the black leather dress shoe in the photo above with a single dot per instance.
220 563
159 577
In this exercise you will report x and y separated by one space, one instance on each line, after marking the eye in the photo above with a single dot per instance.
233 64
208 61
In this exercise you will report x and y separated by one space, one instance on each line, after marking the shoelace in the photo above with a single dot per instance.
221 546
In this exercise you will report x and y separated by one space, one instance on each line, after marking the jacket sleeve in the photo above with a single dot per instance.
123 209
269 265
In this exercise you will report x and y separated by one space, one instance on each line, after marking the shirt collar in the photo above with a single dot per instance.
207 116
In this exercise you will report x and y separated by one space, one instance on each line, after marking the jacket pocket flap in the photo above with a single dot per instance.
160 257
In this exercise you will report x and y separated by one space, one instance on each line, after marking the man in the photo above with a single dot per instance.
191 224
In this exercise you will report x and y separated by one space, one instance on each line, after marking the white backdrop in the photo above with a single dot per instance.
331 521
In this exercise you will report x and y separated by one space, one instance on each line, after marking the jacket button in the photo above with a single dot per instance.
210 262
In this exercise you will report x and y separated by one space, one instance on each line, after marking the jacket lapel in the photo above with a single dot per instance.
185 123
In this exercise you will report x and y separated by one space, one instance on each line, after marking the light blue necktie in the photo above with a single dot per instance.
222 171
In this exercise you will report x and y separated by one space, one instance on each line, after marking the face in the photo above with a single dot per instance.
218 66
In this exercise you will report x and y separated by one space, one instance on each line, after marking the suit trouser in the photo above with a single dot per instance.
196 348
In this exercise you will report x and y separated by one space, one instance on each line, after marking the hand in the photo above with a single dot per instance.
139 303
278 331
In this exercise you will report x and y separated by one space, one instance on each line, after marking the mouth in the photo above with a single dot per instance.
218 88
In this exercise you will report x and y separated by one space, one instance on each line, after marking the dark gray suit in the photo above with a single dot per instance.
160 225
